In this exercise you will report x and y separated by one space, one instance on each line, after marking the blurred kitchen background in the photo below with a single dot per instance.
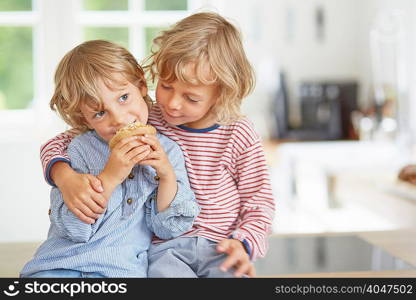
334 101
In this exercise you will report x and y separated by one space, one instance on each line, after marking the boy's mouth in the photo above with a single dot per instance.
172 116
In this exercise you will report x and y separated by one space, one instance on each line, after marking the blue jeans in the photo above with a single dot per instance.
187 257
65 273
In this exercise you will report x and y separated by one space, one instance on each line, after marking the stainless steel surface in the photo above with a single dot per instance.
321 254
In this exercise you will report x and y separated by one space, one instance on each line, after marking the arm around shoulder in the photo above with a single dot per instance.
55 150
68 225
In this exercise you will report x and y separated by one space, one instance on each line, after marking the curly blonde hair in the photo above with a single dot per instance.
205 39
79 72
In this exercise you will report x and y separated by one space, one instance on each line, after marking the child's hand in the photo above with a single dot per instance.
408 173
237 258
82 194
127 153
157 158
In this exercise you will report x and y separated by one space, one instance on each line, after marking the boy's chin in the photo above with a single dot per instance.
173 121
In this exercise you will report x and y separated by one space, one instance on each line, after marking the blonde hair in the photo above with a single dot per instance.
201 40
79 72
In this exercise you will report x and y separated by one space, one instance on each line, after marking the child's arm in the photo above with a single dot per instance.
122 159
79 192
82 193
256 211
172 209
125 155
257 202
67 224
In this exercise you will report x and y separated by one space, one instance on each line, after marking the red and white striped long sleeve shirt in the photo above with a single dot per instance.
227 171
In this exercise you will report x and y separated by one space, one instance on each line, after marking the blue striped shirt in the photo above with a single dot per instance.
116 244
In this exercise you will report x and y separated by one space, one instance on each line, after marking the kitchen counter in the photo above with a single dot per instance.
348 254
397 245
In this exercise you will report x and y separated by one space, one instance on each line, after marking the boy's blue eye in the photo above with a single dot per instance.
123 98
99 114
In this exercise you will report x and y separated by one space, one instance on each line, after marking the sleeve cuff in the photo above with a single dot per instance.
173 221
244 242
48 169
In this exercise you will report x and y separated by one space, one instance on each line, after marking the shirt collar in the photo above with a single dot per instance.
211 128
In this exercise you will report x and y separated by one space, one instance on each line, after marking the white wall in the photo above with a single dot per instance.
281 35
24 194
335 57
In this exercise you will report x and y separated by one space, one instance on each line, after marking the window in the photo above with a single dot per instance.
150 34
166 5
133 23
16 5
35 34
16 54
118 35
105 4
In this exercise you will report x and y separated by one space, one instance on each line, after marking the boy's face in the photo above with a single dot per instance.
123 104
186 104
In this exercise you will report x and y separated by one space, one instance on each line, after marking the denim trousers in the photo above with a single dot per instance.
187 257
65 273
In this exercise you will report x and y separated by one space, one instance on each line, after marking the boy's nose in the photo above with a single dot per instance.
117 121
174 103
